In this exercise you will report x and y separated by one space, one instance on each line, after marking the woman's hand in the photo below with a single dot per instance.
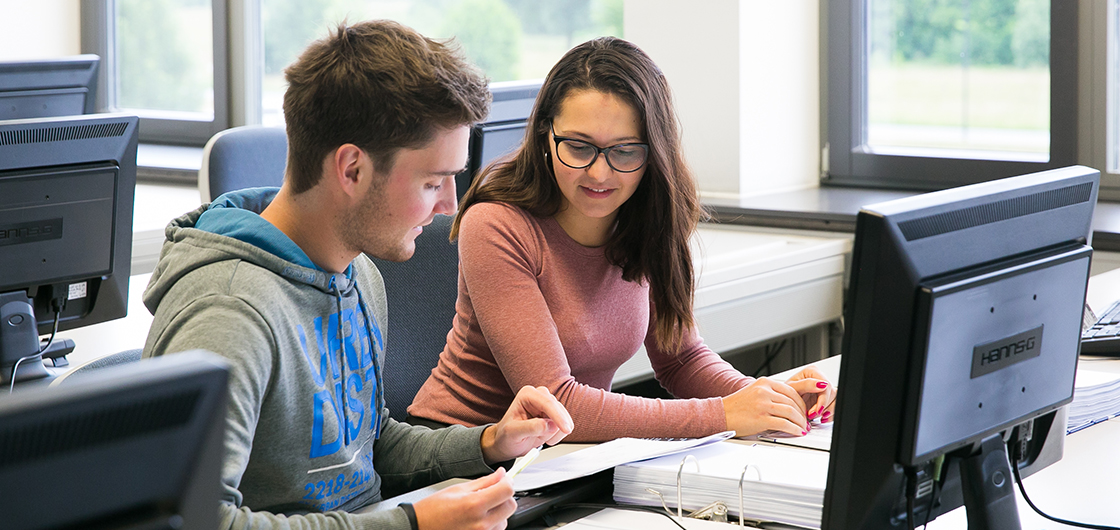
767 405
820 400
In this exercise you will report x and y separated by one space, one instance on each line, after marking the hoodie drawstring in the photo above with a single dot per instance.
342 362
379 400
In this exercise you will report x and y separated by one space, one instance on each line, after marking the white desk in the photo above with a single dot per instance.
154 207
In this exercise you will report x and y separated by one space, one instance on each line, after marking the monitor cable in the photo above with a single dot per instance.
1019 482
772 351
58 304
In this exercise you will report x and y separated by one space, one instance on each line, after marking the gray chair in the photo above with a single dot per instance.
114 359
421 296
242 157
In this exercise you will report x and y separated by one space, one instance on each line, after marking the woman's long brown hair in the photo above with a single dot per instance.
650 241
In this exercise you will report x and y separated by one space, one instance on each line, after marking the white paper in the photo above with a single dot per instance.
1096 398
604 456
819 438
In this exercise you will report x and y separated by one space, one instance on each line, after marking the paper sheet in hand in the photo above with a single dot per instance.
604 456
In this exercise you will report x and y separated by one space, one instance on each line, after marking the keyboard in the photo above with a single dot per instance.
1103 337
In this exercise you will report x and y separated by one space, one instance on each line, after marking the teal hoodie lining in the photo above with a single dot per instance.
236 214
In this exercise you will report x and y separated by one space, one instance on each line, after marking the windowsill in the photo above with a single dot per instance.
826 208
834 209
172 164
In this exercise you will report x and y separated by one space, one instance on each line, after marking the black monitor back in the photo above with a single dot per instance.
132 446
503 130
67 189
44 88
908 249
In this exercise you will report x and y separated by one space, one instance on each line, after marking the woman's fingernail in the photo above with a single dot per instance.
813 415
822 384
825 415
803 433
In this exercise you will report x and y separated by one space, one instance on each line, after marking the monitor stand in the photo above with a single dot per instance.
986 482
19 339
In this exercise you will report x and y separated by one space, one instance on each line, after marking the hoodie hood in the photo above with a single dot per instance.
231 228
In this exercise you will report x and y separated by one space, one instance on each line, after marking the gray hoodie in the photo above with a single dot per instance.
307 438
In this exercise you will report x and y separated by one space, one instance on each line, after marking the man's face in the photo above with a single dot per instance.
398 205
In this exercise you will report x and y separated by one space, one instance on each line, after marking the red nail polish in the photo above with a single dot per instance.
813 415
825 415
803 433
822 384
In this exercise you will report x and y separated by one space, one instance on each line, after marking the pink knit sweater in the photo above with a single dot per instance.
537 308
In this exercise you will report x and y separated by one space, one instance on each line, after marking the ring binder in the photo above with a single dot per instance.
742 505
790 490
680 468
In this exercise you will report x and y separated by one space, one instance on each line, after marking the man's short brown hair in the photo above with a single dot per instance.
380 86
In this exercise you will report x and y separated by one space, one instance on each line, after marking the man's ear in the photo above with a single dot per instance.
347 163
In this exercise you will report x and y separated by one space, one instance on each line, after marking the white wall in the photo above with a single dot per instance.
745 76
39 29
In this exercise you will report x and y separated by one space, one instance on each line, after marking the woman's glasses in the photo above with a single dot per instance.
578 154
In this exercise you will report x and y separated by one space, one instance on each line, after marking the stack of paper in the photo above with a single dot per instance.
782 484
1096 398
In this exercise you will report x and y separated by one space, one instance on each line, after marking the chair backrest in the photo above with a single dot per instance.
242 157
113 359
421 296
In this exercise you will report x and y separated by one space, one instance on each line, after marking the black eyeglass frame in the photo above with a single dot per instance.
605 151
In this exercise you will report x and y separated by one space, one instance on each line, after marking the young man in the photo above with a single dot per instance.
276 281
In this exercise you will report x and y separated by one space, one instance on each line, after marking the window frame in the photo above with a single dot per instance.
846 159
99 37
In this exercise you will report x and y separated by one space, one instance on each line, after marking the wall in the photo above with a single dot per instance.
39 29
745 76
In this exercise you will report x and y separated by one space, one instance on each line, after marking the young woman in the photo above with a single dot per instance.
575 252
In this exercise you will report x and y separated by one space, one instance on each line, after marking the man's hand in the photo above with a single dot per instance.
534 418
481 504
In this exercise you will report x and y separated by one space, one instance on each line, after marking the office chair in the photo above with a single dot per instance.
421 296
114 359
242 157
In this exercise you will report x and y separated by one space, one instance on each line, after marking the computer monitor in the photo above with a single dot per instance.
43 88
962 329
503 130
66 200
131 446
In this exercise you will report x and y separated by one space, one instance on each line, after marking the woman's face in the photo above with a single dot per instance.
593 195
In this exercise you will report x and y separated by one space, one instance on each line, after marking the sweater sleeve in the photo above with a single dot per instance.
694 371
501 259
229 327
411 457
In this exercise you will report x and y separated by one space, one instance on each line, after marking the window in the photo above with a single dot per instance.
928 95
165 61
190 68
508 39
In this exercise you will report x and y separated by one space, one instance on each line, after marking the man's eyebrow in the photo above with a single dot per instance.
448 173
